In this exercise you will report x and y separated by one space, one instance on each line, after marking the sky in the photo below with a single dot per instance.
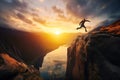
57 15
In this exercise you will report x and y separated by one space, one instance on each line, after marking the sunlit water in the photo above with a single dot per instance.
54 64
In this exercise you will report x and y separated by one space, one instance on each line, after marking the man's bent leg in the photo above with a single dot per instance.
78 28
85 29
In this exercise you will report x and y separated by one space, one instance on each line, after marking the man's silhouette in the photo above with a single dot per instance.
82 24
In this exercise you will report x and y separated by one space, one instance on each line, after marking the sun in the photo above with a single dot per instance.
57 32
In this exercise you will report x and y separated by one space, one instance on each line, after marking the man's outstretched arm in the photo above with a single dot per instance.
87 20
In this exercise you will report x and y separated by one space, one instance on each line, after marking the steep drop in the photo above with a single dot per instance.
96 55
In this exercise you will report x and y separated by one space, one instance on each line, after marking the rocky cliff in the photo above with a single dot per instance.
96 55
11 69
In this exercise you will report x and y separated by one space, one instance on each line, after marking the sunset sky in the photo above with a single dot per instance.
57 15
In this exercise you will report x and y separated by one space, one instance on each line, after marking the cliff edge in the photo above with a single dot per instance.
96 55
12 69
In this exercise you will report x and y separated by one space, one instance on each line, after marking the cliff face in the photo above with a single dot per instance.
96 55
11 69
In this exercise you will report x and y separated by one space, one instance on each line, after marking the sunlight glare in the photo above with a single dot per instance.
57 32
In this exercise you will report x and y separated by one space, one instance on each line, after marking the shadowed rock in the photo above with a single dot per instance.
95 56
11 69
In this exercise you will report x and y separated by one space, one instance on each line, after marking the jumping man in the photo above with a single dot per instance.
82 24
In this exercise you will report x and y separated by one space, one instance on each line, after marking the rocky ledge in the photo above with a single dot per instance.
96 55
11 69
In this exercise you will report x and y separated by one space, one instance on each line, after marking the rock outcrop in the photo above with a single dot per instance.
11 69
96 55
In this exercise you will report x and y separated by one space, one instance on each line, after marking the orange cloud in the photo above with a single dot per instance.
57 10
41 0
39 20
23 18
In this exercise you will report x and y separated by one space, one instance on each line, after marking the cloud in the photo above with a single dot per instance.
9 1
12 4
60 13
8 8
93 8
23 18
41 0
47 14
62 17
57 10
39 20
21 15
